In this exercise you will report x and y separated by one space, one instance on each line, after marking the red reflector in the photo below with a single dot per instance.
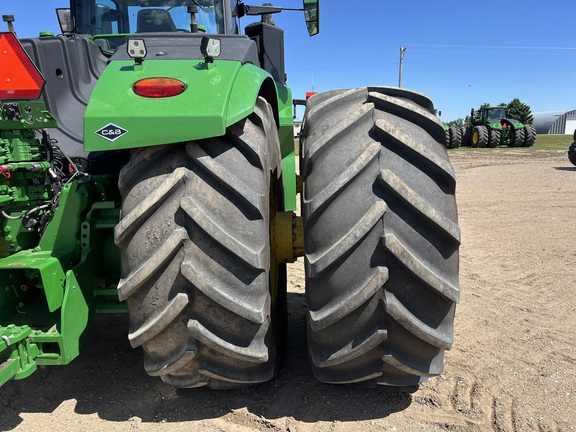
158 87
310 94
19 77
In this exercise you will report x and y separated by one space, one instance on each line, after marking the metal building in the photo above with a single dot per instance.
555 122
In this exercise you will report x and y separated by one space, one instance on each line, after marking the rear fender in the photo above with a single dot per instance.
217 95
512 124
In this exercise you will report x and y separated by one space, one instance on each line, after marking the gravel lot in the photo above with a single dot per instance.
513 366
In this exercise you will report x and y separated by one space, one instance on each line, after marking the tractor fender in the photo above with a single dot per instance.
216 96
512 123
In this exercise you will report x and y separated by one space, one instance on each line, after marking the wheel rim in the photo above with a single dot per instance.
475 137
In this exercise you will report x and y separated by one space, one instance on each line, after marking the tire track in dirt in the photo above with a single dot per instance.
514 268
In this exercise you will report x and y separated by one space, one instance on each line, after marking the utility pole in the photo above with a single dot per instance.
402 51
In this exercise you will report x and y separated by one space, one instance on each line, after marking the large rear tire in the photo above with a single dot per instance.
529 136
480 136
381 237
198 277
518 138
572 153
466 136
495 136
455 140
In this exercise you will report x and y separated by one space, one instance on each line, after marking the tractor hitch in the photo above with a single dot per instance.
17 353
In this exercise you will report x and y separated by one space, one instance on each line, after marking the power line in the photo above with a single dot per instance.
495 47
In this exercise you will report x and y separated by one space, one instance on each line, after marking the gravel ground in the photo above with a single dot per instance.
513 366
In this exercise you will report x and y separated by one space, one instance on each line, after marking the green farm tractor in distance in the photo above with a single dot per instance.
491 127
148 167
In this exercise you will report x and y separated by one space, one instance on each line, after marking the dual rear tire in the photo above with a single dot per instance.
381 237
206 297
480 136
529 136
198 276
453 137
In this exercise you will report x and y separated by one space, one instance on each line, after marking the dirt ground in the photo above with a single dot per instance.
513 366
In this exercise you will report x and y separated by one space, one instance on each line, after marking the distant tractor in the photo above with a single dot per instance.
491 127
572 150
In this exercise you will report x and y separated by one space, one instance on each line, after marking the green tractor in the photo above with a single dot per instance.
148 167
491 127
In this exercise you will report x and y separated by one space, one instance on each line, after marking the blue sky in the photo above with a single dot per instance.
458 57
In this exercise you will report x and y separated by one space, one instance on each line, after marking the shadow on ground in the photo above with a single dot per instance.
108 379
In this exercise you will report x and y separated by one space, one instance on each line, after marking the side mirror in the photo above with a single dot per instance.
65 20
312 13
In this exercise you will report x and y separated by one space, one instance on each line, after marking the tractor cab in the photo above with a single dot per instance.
109 22
494 115
488 116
